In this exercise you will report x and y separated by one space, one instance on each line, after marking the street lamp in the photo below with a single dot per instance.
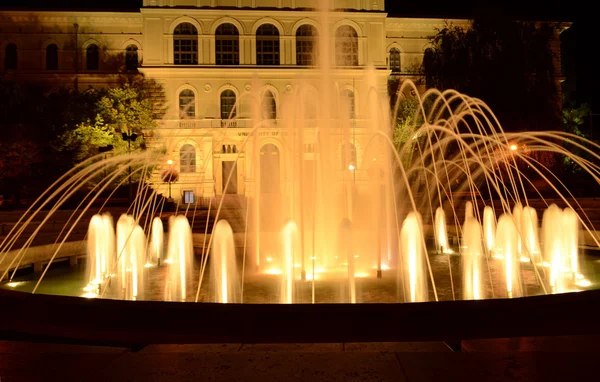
131 137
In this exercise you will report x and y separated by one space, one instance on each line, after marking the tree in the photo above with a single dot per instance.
115 111
508 64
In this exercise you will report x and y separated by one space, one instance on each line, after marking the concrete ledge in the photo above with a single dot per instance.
98 321
39 256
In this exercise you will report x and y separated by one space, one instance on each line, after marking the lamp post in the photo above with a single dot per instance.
170 163
129 137
105 149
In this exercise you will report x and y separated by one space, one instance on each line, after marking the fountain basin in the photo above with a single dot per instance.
99 321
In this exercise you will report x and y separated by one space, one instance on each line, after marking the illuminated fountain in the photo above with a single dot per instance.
100 253
472 255
507 245
413 268
332 201
441 233
156 242
223 267
530 235
489 228
289 238
180 253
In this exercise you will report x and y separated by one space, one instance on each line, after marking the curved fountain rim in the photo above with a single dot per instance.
130 323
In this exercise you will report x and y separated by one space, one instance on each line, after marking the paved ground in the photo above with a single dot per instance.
528 359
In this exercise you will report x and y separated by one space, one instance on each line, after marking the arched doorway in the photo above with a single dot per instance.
269 169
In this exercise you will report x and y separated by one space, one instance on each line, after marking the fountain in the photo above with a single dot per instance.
507 245
331 204
223 266
441 234
472 255
489 228
180 251
412 268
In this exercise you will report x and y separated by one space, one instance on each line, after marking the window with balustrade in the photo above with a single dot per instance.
307 50
185 44
267 45
227 45
346 46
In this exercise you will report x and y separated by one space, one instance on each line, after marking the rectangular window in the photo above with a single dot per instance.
188 197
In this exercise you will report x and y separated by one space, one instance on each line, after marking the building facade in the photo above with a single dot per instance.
227 66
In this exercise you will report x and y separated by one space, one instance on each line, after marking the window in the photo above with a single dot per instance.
395 60
131 57
267 45
346 46
92 57
306 46
227 45
185 44
188 197
349 103
187 104
269 106
10 57
349 157
52 57
228 100
187 159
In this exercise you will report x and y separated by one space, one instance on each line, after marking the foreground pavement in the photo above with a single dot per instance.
523 359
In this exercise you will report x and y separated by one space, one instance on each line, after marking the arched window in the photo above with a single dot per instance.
307 50
428 65
349 103
269 106
185 44
187 159
349 157
228 100
267 45
52 57
395 60
346 46
131 57
92 57
187 104
227 45
10 57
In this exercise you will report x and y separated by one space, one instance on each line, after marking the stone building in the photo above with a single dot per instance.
215 59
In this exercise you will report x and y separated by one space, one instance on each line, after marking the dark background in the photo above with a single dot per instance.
579 42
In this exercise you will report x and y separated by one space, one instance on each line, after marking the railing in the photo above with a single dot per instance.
241 123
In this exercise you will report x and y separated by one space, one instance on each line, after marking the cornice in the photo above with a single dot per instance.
112 18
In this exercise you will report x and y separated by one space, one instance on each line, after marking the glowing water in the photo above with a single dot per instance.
180 253
560 233
157 241
471 256
441 234
223 267
529 233
100 252
489 228
412 270
518 218
346 247
507 244
289 239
